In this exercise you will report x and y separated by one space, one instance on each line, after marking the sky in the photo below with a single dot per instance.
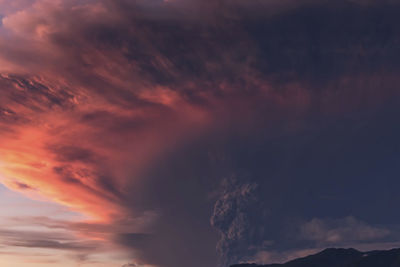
197 133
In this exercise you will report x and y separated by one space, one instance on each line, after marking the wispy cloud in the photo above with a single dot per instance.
342 232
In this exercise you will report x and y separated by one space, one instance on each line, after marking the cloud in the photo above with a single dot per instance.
46 240
271 256
49 244
231 218
115 109
317 234
341 232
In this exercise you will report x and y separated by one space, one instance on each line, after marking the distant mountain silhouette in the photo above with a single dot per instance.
339 257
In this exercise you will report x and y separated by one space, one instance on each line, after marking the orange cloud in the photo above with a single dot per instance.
95 95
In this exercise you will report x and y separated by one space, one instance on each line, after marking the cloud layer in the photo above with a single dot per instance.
135 113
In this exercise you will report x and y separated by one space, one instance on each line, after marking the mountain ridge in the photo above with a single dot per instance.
341 257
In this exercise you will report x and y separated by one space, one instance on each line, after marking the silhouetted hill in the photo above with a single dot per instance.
339 257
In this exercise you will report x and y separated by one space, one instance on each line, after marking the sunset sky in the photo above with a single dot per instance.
196 133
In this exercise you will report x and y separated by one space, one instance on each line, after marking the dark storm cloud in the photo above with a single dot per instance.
163 100
330 169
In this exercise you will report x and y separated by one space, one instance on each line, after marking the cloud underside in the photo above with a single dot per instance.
153 117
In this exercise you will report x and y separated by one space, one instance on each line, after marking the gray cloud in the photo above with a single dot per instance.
231 218
341 232
44 239
130 265
49 244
